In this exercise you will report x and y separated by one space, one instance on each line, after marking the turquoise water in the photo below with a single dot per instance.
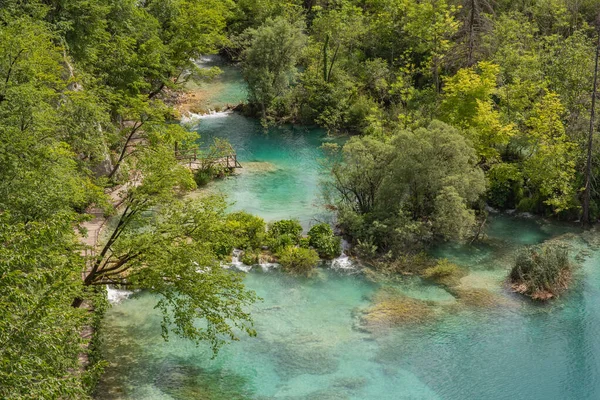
282 168
312 342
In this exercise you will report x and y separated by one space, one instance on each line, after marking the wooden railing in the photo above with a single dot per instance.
191 157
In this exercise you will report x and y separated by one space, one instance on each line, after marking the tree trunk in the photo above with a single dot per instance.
471 33
325 46
587 194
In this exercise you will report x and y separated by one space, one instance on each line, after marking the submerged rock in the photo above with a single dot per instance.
478 297
303 355
189 382
392 308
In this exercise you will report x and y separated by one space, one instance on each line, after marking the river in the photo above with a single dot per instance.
310 342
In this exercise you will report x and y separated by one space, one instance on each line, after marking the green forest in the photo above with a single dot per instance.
448 109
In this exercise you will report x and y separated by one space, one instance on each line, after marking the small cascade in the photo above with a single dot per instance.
191 118
267 266
115 296
215 114
236 263
343 262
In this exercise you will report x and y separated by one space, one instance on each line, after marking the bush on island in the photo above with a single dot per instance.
250 257
541 272
289 227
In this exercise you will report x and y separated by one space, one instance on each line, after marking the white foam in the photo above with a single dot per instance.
116 296
191 118
344 263
268 266
236 263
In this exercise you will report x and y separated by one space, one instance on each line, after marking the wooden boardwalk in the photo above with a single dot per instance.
195 163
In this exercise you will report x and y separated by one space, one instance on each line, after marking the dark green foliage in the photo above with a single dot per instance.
324 241
281 234
505 186
203 177
289 227
541 272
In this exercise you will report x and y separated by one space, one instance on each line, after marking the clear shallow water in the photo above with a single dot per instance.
309 344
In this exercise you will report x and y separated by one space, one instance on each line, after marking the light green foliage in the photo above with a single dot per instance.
250 257
79 82
289 227
550 166
468 104
39 330
248 230
269 61
297 260
172 247
323 240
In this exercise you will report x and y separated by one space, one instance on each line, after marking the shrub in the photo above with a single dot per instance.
321 237
289 227
276 244
287 232
541 272
304 242
366 249
203 177
248 231
250 258
298 261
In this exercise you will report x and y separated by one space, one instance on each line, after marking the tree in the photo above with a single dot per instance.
400 194
549 161
42 184
359 174
434 178
172 247
269 61
468 104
